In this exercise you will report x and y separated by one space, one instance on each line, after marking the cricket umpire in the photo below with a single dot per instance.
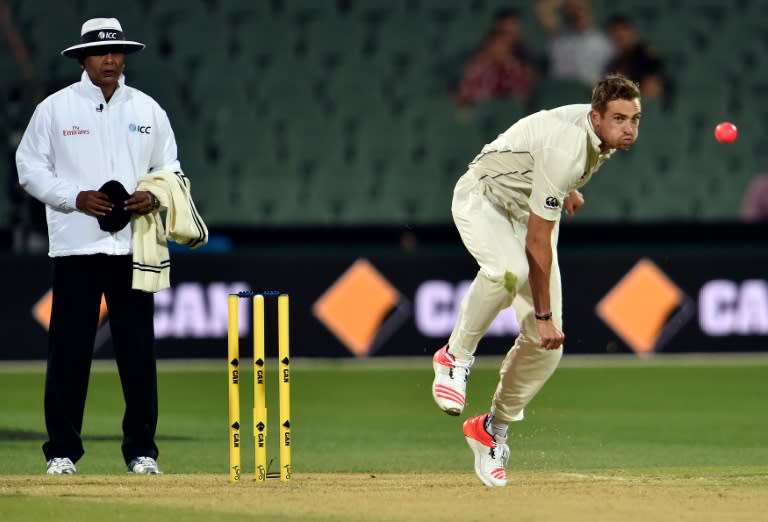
82 153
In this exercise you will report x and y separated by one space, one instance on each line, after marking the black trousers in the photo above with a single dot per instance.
78 284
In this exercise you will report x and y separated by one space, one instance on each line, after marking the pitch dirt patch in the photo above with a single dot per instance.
535 496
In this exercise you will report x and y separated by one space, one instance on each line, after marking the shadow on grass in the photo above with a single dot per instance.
9 434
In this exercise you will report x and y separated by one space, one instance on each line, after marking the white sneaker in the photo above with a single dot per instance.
61 466
491 453
144 466
449 389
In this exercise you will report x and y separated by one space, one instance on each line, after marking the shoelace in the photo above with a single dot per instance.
504 457
466 372
464 365
146 461
60 464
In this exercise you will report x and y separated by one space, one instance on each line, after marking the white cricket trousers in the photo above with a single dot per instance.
497 242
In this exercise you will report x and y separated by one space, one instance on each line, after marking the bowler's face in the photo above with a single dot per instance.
104 65
618 127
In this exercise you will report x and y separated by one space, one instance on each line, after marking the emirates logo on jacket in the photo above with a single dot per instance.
75 131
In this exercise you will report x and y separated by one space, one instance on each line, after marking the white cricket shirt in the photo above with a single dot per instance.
535 163
77 141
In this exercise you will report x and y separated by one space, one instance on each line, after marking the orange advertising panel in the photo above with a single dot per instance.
356 305
640 305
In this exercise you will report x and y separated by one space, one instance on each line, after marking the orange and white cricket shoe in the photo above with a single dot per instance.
449 388
491 453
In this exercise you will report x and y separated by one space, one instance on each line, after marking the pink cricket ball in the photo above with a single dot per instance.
726 132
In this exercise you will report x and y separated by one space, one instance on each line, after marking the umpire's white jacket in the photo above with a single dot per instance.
76 141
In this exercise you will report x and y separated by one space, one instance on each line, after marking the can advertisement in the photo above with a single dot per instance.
405 304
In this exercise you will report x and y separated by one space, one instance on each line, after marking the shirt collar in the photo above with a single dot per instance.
93 90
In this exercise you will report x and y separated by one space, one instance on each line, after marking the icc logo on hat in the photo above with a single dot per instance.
102 31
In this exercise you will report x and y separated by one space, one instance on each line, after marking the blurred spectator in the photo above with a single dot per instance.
27 214
577 51
502 67
637 60
754 207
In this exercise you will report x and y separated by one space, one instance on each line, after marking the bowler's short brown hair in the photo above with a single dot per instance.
613 87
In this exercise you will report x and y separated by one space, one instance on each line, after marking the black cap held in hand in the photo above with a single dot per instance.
117 218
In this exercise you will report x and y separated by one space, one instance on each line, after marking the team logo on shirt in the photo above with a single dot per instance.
551 202
141 129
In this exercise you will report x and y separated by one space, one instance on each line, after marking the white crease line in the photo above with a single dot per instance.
594 477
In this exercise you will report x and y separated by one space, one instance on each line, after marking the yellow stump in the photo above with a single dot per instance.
233 355
284 365
259 390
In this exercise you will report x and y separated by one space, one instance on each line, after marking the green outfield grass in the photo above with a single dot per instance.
379 418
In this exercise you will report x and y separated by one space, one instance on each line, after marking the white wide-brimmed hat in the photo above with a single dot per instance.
101 31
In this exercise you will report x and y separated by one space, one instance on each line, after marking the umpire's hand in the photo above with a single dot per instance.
141 202
93 202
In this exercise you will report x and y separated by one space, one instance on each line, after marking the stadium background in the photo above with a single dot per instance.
324 132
